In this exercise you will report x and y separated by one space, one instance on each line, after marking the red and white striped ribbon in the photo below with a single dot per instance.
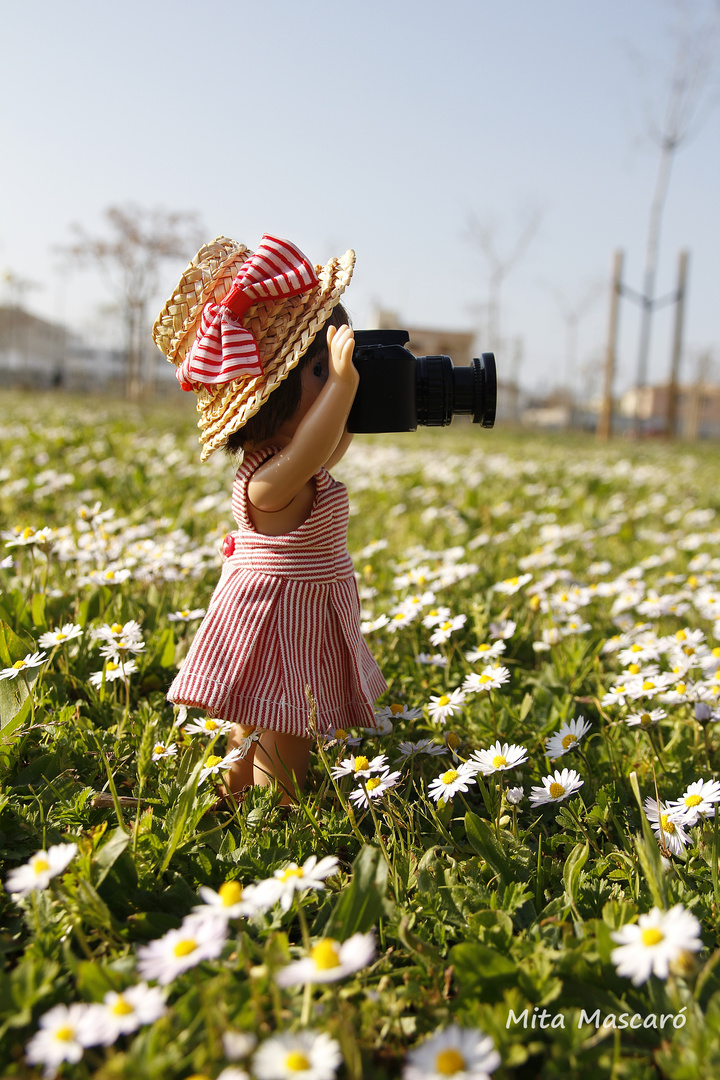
224 349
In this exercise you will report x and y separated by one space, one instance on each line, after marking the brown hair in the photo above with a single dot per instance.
284 401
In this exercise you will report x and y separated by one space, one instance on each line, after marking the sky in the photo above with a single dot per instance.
383 125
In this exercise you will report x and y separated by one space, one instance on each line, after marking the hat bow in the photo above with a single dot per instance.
224 350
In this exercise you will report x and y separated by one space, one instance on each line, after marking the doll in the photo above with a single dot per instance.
262 340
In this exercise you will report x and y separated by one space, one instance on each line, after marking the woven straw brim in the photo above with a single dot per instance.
283 332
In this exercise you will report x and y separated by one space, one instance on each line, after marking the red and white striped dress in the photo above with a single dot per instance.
285 615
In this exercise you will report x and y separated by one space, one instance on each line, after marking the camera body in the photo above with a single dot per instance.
398 391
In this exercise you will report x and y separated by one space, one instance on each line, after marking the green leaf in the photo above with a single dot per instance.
12 647
37 610
363 901
571 871
109 853
484 841
481 973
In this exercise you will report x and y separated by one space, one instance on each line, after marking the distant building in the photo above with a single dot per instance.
698 409
36 354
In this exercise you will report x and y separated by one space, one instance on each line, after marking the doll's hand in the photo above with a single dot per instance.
341 345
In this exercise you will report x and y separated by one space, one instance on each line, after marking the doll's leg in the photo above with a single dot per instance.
240 773
279 756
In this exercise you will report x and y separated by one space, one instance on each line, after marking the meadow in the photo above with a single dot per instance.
515 875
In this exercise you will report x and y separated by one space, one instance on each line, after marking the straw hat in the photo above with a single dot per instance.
274 326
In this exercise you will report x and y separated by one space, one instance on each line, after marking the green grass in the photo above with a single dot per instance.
486 915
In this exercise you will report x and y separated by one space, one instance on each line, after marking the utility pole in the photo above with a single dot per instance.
604 427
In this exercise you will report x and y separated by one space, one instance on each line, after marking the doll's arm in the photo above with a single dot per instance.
317 436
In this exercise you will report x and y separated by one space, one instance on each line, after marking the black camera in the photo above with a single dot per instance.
398 391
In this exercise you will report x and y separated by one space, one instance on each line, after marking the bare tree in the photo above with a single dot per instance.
688 98
129 260
573 311
483 237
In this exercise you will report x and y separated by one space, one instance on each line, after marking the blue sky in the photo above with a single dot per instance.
378 126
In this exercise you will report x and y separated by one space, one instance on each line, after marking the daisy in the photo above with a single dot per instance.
561 785
32 660
195 940
491 678
515 795
446 628
397 711
465 1053
512 585
338 737
445 705
615 695
645 719
162 751
485 652
359 765
64 1033
375 788
436 616
186 615
285 882
367 626
567 738
450 782
329 961
125 1012
503 628
667 822
238 1044
300 1055
61 636
658 939
436 660
698 800
38 871
214 764
498 758
208 726
109 632
423 746
231 901
113 670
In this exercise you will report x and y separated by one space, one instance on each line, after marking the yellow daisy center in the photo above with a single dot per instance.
666 825
185 612
681 688
19 664
648 685
212 761
296 1061
396 709
568 741
41 865
449 777
373 783
326 954
291 872
443 701
449 1062
210 725
116 628
485 678
230 892
158 748
65 1034
185 947
361 763
634 669
484 647
556 790
340 734
693 800
645 719
121 1007
652 936
112 666
109 575
499 761
60 636
681 635
635 647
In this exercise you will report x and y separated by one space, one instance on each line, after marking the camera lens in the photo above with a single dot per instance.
442 390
